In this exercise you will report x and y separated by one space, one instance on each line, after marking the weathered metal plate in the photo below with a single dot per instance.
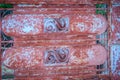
28 57
50 56
115 61
19 25
115 23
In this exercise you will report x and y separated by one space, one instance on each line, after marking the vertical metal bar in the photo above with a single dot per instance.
109 38
0 45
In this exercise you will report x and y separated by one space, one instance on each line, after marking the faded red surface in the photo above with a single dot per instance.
54 78
55 9
78 56
18 25
115 22
46 2
28 57
51 1
47 41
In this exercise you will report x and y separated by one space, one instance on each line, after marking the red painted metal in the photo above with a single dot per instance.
72 8
54 23
56 2
0 48
115 47
116 23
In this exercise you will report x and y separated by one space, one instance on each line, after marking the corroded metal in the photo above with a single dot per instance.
53 56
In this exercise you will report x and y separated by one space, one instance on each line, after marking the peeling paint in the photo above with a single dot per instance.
115 58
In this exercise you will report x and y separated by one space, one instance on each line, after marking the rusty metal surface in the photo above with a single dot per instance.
109 70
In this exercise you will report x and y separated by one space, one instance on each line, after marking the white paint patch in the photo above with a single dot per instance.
115 5
27 29
97 23
118 19
118 35
81 27
22 24
113 27
90 53
92 22
25 5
